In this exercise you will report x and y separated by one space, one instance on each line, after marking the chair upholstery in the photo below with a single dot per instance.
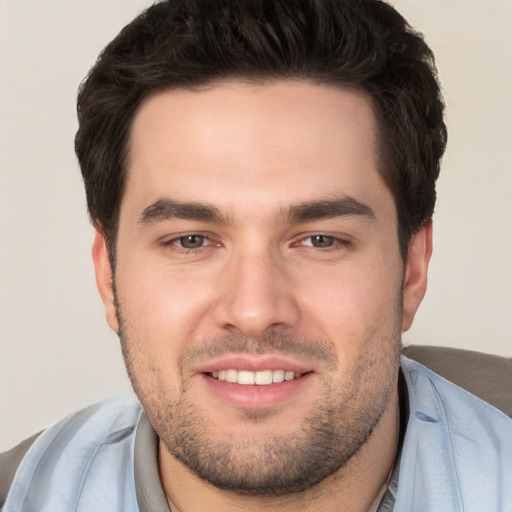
487 376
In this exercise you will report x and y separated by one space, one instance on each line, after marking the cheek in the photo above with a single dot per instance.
353 305
164 310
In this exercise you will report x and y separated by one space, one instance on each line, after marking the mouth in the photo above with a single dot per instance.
249 381
256 378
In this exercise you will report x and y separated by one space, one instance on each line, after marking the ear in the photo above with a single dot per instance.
415 275
104 280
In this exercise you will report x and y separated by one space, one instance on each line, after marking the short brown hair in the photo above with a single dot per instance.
357 44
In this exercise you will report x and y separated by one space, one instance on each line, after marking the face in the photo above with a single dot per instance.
260 292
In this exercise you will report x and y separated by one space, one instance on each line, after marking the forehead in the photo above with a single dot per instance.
273 143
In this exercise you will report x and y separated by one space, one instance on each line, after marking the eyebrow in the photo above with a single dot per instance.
168 209
327 209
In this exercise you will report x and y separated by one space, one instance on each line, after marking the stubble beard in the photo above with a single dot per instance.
330 436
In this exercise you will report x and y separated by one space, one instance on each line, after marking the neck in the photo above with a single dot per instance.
353 488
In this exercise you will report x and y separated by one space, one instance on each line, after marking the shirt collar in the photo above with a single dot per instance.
150 494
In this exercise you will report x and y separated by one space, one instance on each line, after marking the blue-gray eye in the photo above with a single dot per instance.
322 241
192 241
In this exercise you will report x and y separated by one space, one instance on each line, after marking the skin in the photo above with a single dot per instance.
258 155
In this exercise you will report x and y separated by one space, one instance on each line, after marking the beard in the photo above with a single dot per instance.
270 463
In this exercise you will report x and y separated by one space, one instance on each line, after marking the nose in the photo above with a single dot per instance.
255 296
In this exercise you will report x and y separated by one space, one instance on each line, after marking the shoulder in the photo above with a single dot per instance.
74 452
487 376
9 462
457 452
431 391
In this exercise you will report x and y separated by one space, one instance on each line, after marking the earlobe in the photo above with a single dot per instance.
415 275
104 278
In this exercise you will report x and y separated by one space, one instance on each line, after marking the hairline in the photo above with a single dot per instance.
380 136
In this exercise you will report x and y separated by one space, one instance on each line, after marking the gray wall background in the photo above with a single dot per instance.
56 352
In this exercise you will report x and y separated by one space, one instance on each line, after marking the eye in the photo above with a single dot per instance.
189 245
321 241
191 241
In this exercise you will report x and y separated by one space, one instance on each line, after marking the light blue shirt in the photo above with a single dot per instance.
456 456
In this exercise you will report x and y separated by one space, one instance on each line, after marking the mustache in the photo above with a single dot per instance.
271 343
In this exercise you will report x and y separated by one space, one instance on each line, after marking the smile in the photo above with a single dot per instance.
259 378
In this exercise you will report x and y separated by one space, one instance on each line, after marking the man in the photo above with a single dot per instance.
261 178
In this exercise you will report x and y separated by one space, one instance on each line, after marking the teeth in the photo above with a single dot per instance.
247 378
262 378
231 375
278 376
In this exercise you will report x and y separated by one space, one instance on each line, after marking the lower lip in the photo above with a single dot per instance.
255 397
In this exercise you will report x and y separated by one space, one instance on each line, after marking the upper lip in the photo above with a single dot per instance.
253 363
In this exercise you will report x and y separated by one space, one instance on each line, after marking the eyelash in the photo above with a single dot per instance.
337 242
176 242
